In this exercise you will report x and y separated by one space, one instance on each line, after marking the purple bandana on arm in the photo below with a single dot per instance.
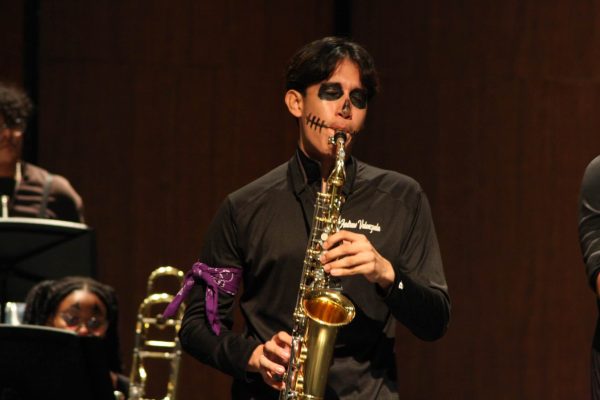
224 279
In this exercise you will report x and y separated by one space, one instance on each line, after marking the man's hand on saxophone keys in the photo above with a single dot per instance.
271 359
355 255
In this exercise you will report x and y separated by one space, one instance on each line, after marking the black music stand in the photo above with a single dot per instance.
34 249
46 363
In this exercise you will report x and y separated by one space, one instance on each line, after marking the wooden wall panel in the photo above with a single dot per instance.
491 106
12 41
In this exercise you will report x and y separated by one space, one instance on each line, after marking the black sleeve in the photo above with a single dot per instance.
228 352
589 221
419 296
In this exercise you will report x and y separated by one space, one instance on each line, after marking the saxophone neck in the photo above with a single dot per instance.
338 174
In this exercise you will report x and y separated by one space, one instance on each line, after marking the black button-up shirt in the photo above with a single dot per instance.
263 228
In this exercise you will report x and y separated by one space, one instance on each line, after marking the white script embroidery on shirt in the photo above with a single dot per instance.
360 224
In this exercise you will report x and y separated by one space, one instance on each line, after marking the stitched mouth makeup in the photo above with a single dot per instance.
318 124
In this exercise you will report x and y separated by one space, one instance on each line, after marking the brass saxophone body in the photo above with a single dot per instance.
320 309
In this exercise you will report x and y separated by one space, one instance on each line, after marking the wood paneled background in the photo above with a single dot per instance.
156 110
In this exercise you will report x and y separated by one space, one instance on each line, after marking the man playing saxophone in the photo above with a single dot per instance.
385 255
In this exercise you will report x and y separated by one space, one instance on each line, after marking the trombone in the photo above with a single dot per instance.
151 329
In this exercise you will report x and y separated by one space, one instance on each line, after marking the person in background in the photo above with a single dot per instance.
589 238
27 190
84 306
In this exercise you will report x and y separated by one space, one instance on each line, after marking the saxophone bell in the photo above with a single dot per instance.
327 310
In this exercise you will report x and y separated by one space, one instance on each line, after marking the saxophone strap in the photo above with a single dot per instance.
217 279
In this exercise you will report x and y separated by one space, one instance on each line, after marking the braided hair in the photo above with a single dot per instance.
44 298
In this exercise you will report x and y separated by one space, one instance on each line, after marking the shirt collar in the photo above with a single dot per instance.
311 169
306 172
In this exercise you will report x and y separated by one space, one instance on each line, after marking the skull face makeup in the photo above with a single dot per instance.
338 103
333 91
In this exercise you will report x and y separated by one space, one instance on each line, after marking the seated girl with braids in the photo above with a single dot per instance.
81 305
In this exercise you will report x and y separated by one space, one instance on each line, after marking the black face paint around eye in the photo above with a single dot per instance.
330 91
358 97
333 91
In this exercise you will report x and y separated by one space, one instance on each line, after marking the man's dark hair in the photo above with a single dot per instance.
15 106
316 61
44 298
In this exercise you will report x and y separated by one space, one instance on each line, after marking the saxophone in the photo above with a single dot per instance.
320 309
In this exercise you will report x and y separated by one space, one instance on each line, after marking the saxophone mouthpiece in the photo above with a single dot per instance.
339 134
336 136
